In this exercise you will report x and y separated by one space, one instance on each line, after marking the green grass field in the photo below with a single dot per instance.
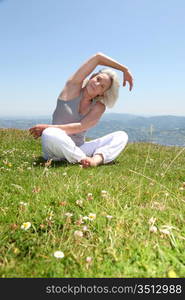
134 213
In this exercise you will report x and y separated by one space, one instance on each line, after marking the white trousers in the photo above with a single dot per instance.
57 145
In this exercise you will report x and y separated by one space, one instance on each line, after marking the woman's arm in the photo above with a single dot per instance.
90 120
109 62
93 62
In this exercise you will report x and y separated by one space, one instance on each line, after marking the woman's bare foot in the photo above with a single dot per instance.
94 161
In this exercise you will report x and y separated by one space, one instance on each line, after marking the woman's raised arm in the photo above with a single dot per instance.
109 62
84 70
100 59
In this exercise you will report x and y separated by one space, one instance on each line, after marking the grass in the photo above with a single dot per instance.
145 195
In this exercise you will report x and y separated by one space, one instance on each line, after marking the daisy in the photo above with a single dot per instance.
58 254
92 216
26 225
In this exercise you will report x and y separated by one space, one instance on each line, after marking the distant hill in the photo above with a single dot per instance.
165 130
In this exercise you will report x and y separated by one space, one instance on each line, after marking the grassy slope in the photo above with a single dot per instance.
145 182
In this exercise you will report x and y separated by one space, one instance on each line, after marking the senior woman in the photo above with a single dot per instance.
80 106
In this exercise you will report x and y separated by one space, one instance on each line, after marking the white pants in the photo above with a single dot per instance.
57 145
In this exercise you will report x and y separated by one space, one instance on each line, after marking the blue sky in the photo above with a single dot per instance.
44 41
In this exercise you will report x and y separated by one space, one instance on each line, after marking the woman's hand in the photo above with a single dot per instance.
128 77
37 130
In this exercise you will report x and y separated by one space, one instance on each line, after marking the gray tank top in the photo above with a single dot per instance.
67 112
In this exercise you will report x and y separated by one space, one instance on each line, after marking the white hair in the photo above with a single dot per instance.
111 95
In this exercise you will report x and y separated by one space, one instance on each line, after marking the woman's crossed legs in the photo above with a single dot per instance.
57 145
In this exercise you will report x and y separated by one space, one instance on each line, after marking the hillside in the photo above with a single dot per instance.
164 130
124 219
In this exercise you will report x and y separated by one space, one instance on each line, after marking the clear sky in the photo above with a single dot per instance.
42 42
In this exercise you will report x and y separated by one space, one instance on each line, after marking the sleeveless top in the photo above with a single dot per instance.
67 112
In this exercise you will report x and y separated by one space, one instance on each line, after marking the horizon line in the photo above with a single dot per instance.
107 113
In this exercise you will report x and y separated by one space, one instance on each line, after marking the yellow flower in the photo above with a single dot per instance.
26 225
16 250
172 274
58 254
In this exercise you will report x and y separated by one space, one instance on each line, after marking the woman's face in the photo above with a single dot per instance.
98 84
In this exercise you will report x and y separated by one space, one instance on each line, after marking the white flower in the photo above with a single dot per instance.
88 259
78 234
109 217
153 229
165 231
152 221
23 203
181 188
64 174
58 254
85 228
104 193
68 214
50 215
89 196
26 225
92 216
79 202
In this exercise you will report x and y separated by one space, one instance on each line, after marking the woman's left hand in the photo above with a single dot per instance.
128 77
37 130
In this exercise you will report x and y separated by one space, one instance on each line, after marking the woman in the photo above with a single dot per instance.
80 106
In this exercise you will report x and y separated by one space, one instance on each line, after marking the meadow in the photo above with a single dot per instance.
124 219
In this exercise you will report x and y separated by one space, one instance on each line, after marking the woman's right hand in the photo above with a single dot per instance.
37 130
